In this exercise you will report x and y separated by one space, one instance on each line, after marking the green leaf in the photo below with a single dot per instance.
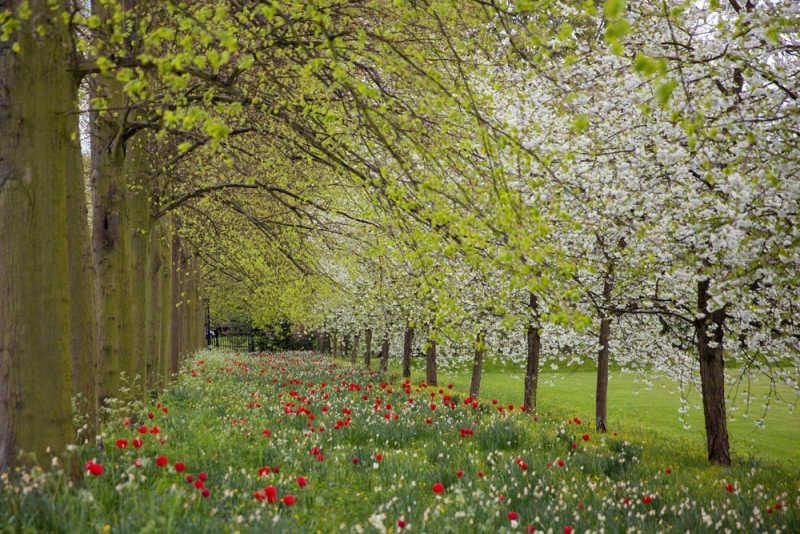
614 8
580 124
664 91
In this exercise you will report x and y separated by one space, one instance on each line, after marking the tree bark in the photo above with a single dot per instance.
368 347
83 326
430 363
176 321
407 346
534 343
712 377
153 329
477 365
335 345
37 95
601 393
385 355
165 301
354 355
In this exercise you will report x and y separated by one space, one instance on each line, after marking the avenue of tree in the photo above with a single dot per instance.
542 181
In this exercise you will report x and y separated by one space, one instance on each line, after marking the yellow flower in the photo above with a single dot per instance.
106 528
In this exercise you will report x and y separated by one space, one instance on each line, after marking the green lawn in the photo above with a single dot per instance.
635 405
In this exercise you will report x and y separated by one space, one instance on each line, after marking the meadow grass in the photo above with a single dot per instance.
370 467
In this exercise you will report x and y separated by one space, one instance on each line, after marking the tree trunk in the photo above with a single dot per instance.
137 219
477 365
534 343
152 288
335 345
37 95
385 355
712 377
430 363
368 348
601 393
407 346
165 300
83 326
176 321
354 355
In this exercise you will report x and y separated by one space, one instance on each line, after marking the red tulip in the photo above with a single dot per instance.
137 442
201 475
189 479
150 415
263 471
271 493
379 457
530 528
205 493
429 420
567 530
586 437
438 487
560 462
94 468
480 474
401 523
355 460
301 481
512 516
288 500
180 467
729 487
199 484
122 443
459 474
668 470
646 499
137 462
142 430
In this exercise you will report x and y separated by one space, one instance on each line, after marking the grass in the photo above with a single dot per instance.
632 404
509 462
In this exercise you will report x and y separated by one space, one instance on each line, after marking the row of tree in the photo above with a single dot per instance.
540 178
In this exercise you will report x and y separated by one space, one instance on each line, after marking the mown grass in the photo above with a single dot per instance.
215 422
634 405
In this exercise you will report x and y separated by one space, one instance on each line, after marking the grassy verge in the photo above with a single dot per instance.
372 459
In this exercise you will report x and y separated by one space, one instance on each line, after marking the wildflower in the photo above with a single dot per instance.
263 471
150 415
729 488
459 473
199 484
379 457
560 462
512 516
586 437
189 479
429 420
301 481
271 494
161 461
205 493
137 462
142 430
567 530
480 474
438 487
122 443
201 475
668 470
401 523
137 442
646 499
180 467
288 500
